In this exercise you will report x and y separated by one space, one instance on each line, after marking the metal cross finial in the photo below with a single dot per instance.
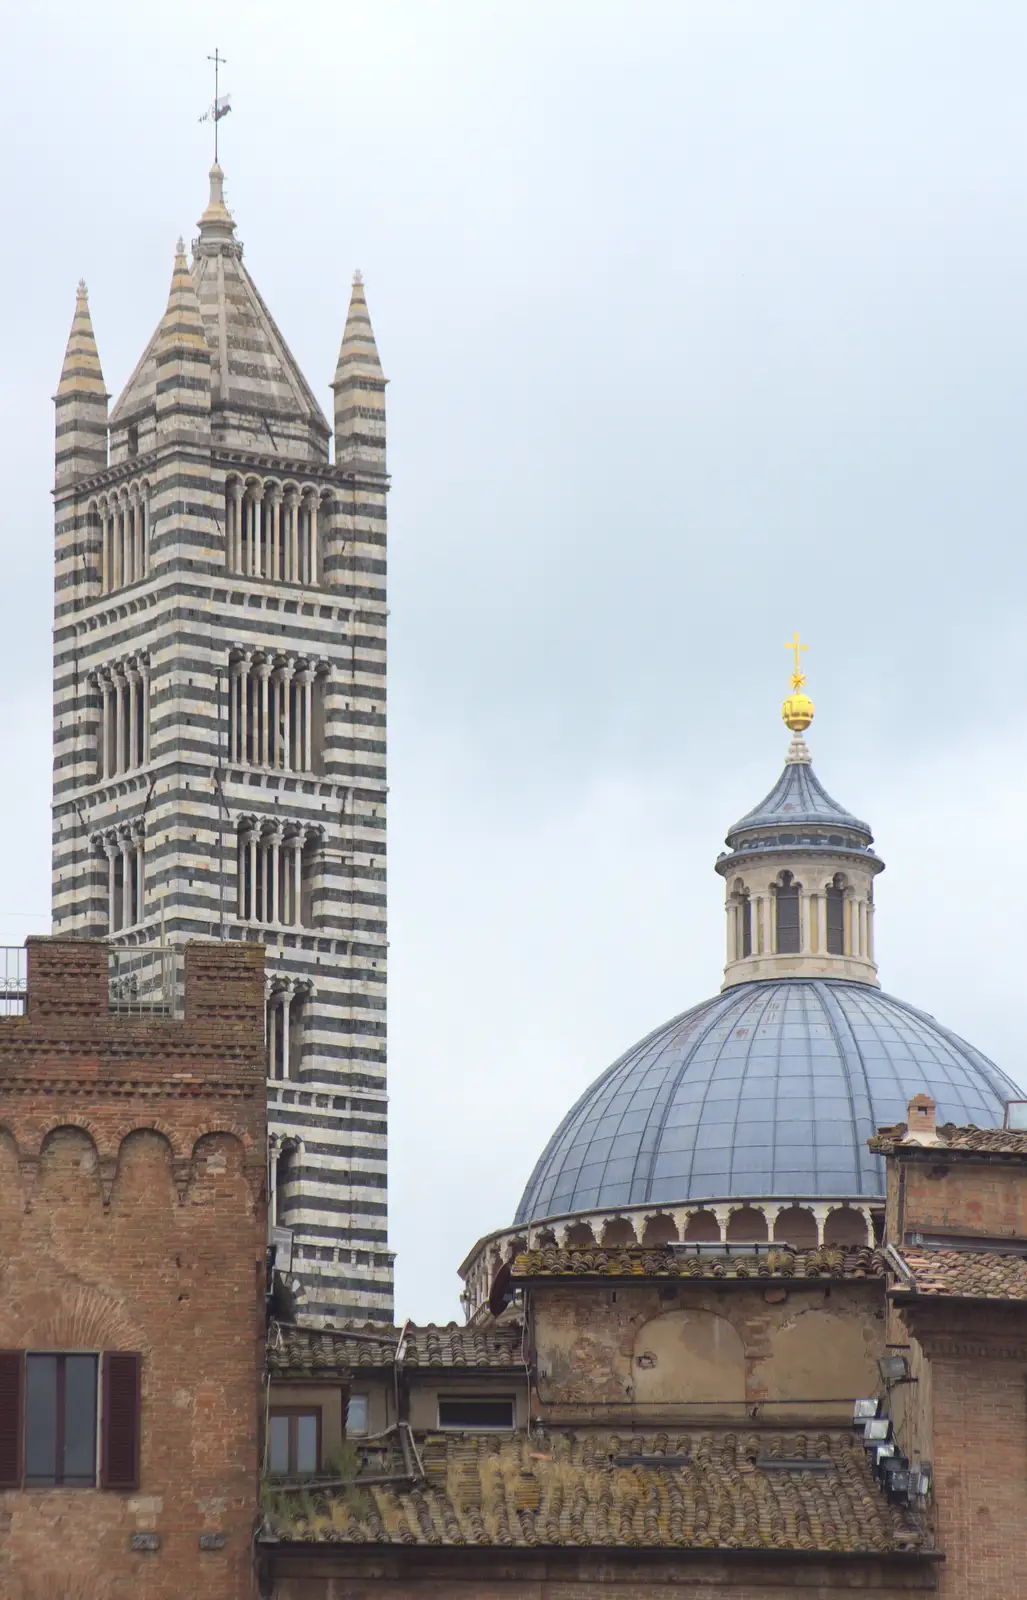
798 676
217 110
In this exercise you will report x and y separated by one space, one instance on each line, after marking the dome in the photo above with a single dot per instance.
771 1089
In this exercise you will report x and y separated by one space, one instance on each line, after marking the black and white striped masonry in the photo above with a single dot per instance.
219 709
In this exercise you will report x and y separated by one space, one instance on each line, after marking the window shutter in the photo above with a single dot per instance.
12 1385
121 1414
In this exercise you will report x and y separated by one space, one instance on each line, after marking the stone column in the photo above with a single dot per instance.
312 539
820 1215
262 751
822 921
134 752
286 1007
870 930
293 535
117 568
772 924
297 880
805 942
105 550
274 495
105 738
119 718
251 853
127 897
144 526
234 530
307 680
140 880
287 681
273 853
862 927
110 845
732 931
144 666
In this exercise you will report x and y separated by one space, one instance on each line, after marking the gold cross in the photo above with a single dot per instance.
798 676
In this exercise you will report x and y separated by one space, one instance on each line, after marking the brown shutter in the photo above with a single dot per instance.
119 1458
12 1386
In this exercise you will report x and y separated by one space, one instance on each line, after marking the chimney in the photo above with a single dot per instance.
921 1121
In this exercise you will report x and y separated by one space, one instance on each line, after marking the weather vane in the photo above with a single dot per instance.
222 103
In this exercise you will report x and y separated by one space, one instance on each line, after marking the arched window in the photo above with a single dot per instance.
787 913
835 920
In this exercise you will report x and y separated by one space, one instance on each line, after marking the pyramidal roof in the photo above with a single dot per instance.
81 373
254 374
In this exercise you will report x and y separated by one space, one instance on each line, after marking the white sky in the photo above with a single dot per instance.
704 322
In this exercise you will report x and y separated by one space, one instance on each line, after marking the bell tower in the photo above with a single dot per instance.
220 710
799 874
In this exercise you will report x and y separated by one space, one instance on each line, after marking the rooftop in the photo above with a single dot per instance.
962 1274
969 1140
302 1352
725 1490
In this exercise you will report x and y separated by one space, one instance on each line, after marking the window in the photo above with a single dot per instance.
294 1442
745 926
835 921
356 1414
479 1415
787 912
49 1415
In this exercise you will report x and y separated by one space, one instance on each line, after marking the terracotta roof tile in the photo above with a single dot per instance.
356 1347
964 1274
563 1488
989 1141
827 1262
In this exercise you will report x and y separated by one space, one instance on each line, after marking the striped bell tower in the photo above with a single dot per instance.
219 711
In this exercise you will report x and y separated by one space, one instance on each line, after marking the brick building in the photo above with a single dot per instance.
133 1135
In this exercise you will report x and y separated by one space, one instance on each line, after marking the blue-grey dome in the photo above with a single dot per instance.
772 1088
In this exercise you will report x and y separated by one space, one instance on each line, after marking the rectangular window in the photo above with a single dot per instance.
60 1420
835 924
788 943
294 1442
478 1415
745 919
356 1414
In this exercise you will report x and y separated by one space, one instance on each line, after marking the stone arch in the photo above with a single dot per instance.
846 1226
544 1239
579 1234
747 1225
218 1169
660 1229
688 1355
74 1316
823 1353
100 1143
618 1234
702 1227
144 1177
515 1246
796 1226
69 1167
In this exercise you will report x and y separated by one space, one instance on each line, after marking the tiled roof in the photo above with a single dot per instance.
964 1274
356 1347
564 1488
635 1262
990 1141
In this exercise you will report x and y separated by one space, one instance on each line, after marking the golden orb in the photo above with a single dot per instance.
797 712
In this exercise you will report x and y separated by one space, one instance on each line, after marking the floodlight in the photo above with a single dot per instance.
863 1410
893 1369
877 1431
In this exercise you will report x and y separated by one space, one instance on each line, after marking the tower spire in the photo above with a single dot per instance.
183 388
797 709
359 387
81 401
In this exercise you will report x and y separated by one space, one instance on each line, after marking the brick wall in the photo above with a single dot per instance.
132 1177
961 1195
974 1430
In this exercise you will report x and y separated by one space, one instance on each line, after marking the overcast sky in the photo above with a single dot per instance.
704 322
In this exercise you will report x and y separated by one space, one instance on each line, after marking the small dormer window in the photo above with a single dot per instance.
787 912
472 1414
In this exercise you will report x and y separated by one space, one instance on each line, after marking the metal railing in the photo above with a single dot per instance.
145 980
13 980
